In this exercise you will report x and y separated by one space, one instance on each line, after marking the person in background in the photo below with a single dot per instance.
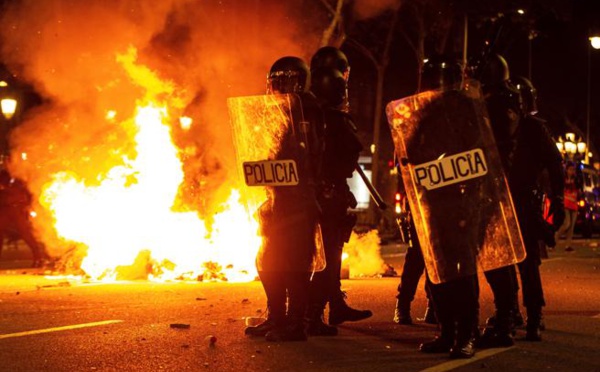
571 196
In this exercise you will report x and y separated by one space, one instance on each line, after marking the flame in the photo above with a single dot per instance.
127 222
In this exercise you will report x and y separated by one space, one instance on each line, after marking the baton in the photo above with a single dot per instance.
374 194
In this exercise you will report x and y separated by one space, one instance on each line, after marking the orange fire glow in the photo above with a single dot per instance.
129 215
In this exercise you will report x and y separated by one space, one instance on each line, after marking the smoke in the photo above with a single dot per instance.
200 51
364 254
364 9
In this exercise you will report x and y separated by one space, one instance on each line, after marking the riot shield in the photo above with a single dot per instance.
457 191
273 141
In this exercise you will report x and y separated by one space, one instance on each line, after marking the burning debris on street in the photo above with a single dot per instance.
129 157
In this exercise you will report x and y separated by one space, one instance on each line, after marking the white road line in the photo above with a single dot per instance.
57 329
447 366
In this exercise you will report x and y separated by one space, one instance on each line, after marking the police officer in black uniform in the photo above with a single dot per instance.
289 217
456 300
526 150
330 69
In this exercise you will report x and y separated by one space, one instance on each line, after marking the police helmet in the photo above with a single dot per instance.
494 71
502 98
329 86
331 57
441 71
288 75
528 94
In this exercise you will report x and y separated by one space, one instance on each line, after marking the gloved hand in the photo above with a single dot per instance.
557 210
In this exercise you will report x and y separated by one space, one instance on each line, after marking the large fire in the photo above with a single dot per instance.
129 154
128 217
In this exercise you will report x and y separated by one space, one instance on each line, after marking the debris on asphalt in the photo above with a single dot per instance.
57 285
212 340
179 326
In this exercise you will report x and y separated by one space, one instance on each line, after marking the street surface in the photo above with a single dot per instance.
63 324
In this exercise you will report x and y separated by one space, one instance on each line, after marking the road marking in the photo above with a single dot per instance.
57 329
447 366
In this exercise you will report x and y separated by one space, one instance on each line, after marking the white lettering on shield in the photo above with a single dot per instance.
271 173
452 169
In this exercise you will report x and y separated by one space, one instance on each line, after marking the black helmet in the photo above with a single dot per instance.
503 98
288 75
441 71
331 57
494 72
329 86
528 94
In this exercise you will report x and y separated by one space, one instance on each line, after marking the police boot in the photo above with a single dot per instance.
534 320
443 342
429 316
293 330
402 313
316 326
498 331
518 320
273 320
464 347
340 312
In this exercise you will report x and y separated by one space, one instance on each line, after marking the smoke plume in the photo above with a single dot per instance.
199 52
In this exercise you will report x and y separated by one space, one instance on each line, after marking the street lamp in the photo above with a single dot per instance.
594 43
8 102
571 148
8 107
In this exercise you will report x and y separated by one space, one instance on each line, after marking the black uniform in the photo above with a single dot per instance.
342 149
289 221
526 151
456 230
454 212
341 152
289 217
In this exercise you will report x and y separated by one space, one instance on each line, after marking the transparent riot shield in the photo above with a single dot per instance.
455 184
272 143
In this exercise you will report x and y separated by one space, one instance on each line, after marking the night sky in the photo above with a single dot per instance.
559 60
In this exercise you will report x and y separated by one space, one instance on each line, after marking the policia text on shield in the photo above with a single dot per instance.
271 173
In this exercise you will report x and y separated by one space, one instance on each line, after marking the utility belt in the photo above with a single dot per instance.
335 200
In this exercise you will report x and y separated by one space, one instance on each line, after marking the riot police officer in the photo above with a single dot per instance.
526 150
330 69
289 217
455 300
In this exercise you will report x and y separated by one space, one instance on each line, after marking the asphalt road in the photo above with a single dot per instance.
62 324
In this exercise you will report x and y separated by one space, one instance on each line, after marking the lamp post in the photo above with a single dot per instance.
594 43
9 107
